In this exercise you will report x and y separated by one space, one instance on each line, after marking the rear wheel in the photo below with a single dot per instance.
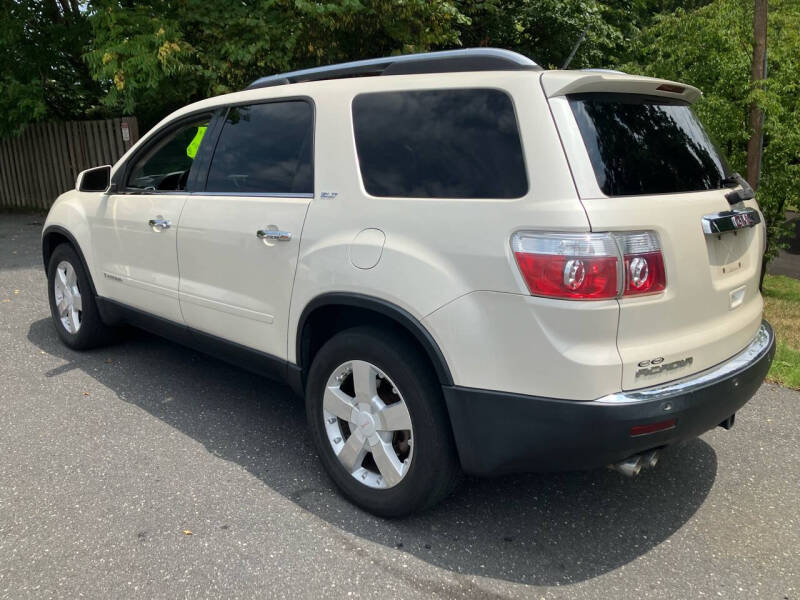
377 418
72 303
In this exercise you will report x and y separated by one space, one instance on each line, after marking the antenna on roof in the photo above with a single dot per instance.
575 48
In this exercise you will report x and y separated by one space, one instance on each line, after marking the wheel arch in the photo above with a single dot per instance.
54 235
330 313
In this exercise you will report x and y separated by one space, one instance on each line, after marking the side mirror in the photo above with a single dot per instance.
94 180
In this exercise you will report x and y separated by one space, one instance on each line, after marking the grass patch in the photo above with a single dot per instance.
780 286
782 310
785 367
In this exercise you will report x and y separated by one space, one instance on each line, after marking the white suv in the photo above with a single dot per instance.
465 263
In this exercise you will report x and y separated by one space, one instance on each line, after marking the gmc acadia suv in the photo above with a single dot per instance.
465 263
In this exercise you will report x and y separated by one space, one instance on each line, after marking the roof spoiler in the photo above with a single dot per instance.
561 83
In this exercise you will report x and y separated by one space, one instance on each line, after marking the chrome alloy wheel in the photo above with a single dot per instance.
67 297
368 424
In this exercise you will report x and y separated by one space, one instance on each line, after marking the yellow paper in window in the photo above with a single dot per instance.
191 149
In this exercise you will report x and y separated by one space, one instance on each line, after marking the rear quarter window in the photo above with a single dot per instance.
439 144
646 145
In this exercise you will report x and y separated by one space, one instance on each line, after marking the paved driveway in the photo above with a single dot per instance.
109 458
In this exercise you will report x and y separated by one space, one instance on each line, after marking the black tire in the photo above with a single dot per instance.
92 331
434 469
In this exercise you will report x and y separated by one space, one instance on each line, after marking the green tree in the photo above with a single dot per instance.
544 30
157 55
42 71
711 48
547 30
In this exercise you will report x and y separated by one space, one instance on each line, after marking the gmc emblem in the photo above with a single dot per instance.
741 220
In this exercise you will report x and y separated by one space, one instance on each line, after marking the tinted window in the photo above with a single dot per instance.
646 145
265 148
439 143
166 164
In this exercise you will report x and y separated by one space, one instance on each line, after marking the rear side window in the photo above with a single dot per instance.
646 145
439 144
265 148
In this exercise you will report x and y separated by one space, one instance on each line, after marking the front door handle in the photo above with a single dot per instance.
159 224
274 235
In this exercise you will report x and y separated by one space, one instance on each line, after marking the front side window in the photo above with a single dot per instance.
265 148
167 163
439 144
646 145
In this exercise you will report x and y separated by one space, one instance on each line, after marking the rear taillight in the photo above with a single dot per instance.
589 266
578 266
644 263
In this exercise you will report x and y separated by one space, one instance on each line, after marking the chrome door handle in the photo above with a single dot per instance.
274 235
159 224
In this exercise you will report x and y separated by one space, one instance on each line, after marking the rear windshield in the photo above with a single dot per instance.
646 145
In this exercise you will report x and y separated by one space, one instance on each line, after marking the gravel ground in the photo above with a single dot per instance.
145 470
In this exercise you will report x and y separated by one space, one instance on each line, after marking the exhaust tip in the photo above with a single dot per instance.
631 467
650 459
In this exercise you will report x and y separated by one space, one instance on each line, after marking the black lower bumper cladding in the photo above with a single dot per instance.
498 432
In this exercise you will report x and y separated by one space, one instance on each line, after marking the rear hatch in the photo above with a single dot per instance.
641 161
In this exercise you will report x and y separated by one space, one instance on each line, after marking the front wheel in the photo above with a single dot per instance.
378 421
72 302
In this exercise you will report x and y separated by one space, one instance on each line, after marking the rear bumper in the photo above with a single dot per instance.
498 432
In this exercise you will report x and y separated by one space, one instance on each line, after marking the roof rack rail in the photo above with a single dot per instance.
446 61
609 71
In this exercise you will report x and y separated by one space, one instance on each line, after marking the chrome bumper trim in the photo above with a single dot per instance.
755 351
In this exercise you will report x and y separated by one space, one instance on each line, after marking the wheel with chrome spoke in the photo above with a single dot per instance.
368 424
72 301
68 297
378 421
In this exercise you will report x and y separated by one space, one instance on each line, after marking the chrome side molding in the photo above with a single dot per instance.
730 220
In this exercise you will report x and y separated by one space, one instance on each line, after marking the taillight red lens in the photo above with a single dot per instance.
585 266
578 278
575 266
644 274
644 263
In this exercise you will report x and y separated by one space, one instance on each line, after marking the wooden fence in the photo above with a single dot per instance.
44 161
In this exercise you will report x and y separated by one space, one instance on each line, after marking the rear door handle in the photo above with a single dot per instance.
159 224
274 235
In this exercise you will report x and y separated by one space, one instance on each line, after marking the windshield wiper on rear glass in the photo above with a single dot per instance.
736 196
732 180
